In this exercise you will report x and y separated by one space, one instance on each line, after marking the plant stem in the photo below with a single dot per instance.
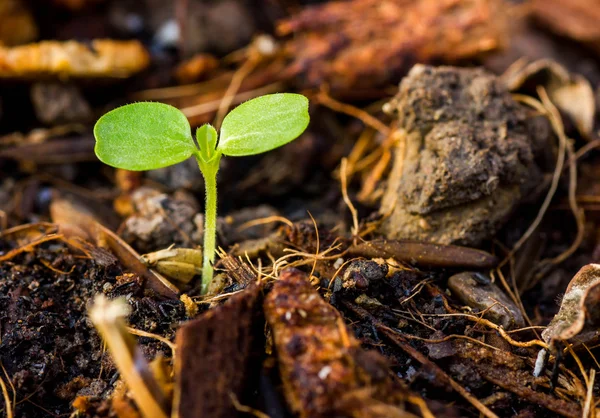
209 171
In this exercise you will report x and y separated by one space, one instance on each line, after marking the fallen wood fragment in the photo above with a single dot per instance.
425 254
324 370
217 357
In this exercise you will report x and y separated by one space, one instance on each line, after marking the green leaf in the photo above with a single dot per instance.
143 136
264 123
206 136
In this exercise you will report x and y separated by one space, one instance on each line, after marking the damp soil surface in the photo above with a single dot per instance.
402 258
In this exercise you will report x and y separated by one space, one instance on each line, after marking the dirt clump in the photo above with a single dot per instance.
470 156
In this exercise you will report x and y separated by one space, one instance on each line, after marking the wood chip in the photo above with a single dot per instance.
216 357
323 368
103 58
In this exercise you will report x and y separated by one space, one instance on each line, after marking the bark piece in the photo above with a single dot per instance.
571 93
469 156
366 44
103 58
217 356
324 371
425 254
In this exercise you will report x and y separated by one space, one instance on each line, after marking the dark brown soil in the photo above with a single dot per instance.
49 347
382 318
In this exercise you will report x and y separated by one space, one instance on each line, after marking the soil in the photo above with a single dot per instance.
413 254
48 345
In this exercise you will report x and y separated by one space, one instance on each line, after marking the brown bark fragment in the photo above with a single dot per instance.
323 368
215 357
104 58
365 44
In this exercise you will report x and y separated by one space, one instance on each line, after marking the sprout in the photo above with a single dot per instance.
147 136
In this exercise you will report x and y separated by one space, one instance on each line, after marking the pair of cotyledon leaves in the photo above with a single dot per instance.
148 135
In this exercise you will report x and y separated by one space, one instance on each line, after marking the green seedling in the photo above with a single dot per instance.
147 136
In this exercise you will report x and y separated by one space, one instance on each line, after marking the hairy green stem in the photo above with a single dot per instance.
209 171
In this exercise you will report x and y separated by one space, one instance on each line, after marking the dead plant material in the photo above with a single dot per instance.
239 272
217 354
179 264
77 223
323 369
105 58
195 68
368 44
109 318
425 254
477 291
39 135
9 404
56 151
579 310
440 376
512 373
571 93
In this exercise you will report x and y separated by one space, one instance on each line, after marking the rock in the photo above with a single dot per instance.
360 273
160 221
477 291
469 156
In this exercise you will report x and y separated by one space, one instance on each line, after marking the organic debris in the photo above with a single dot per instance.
18 25
109 319
408 257
369 44
103 58
179 264
196 68
573 18
578 308
228 339
425 254
323 369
